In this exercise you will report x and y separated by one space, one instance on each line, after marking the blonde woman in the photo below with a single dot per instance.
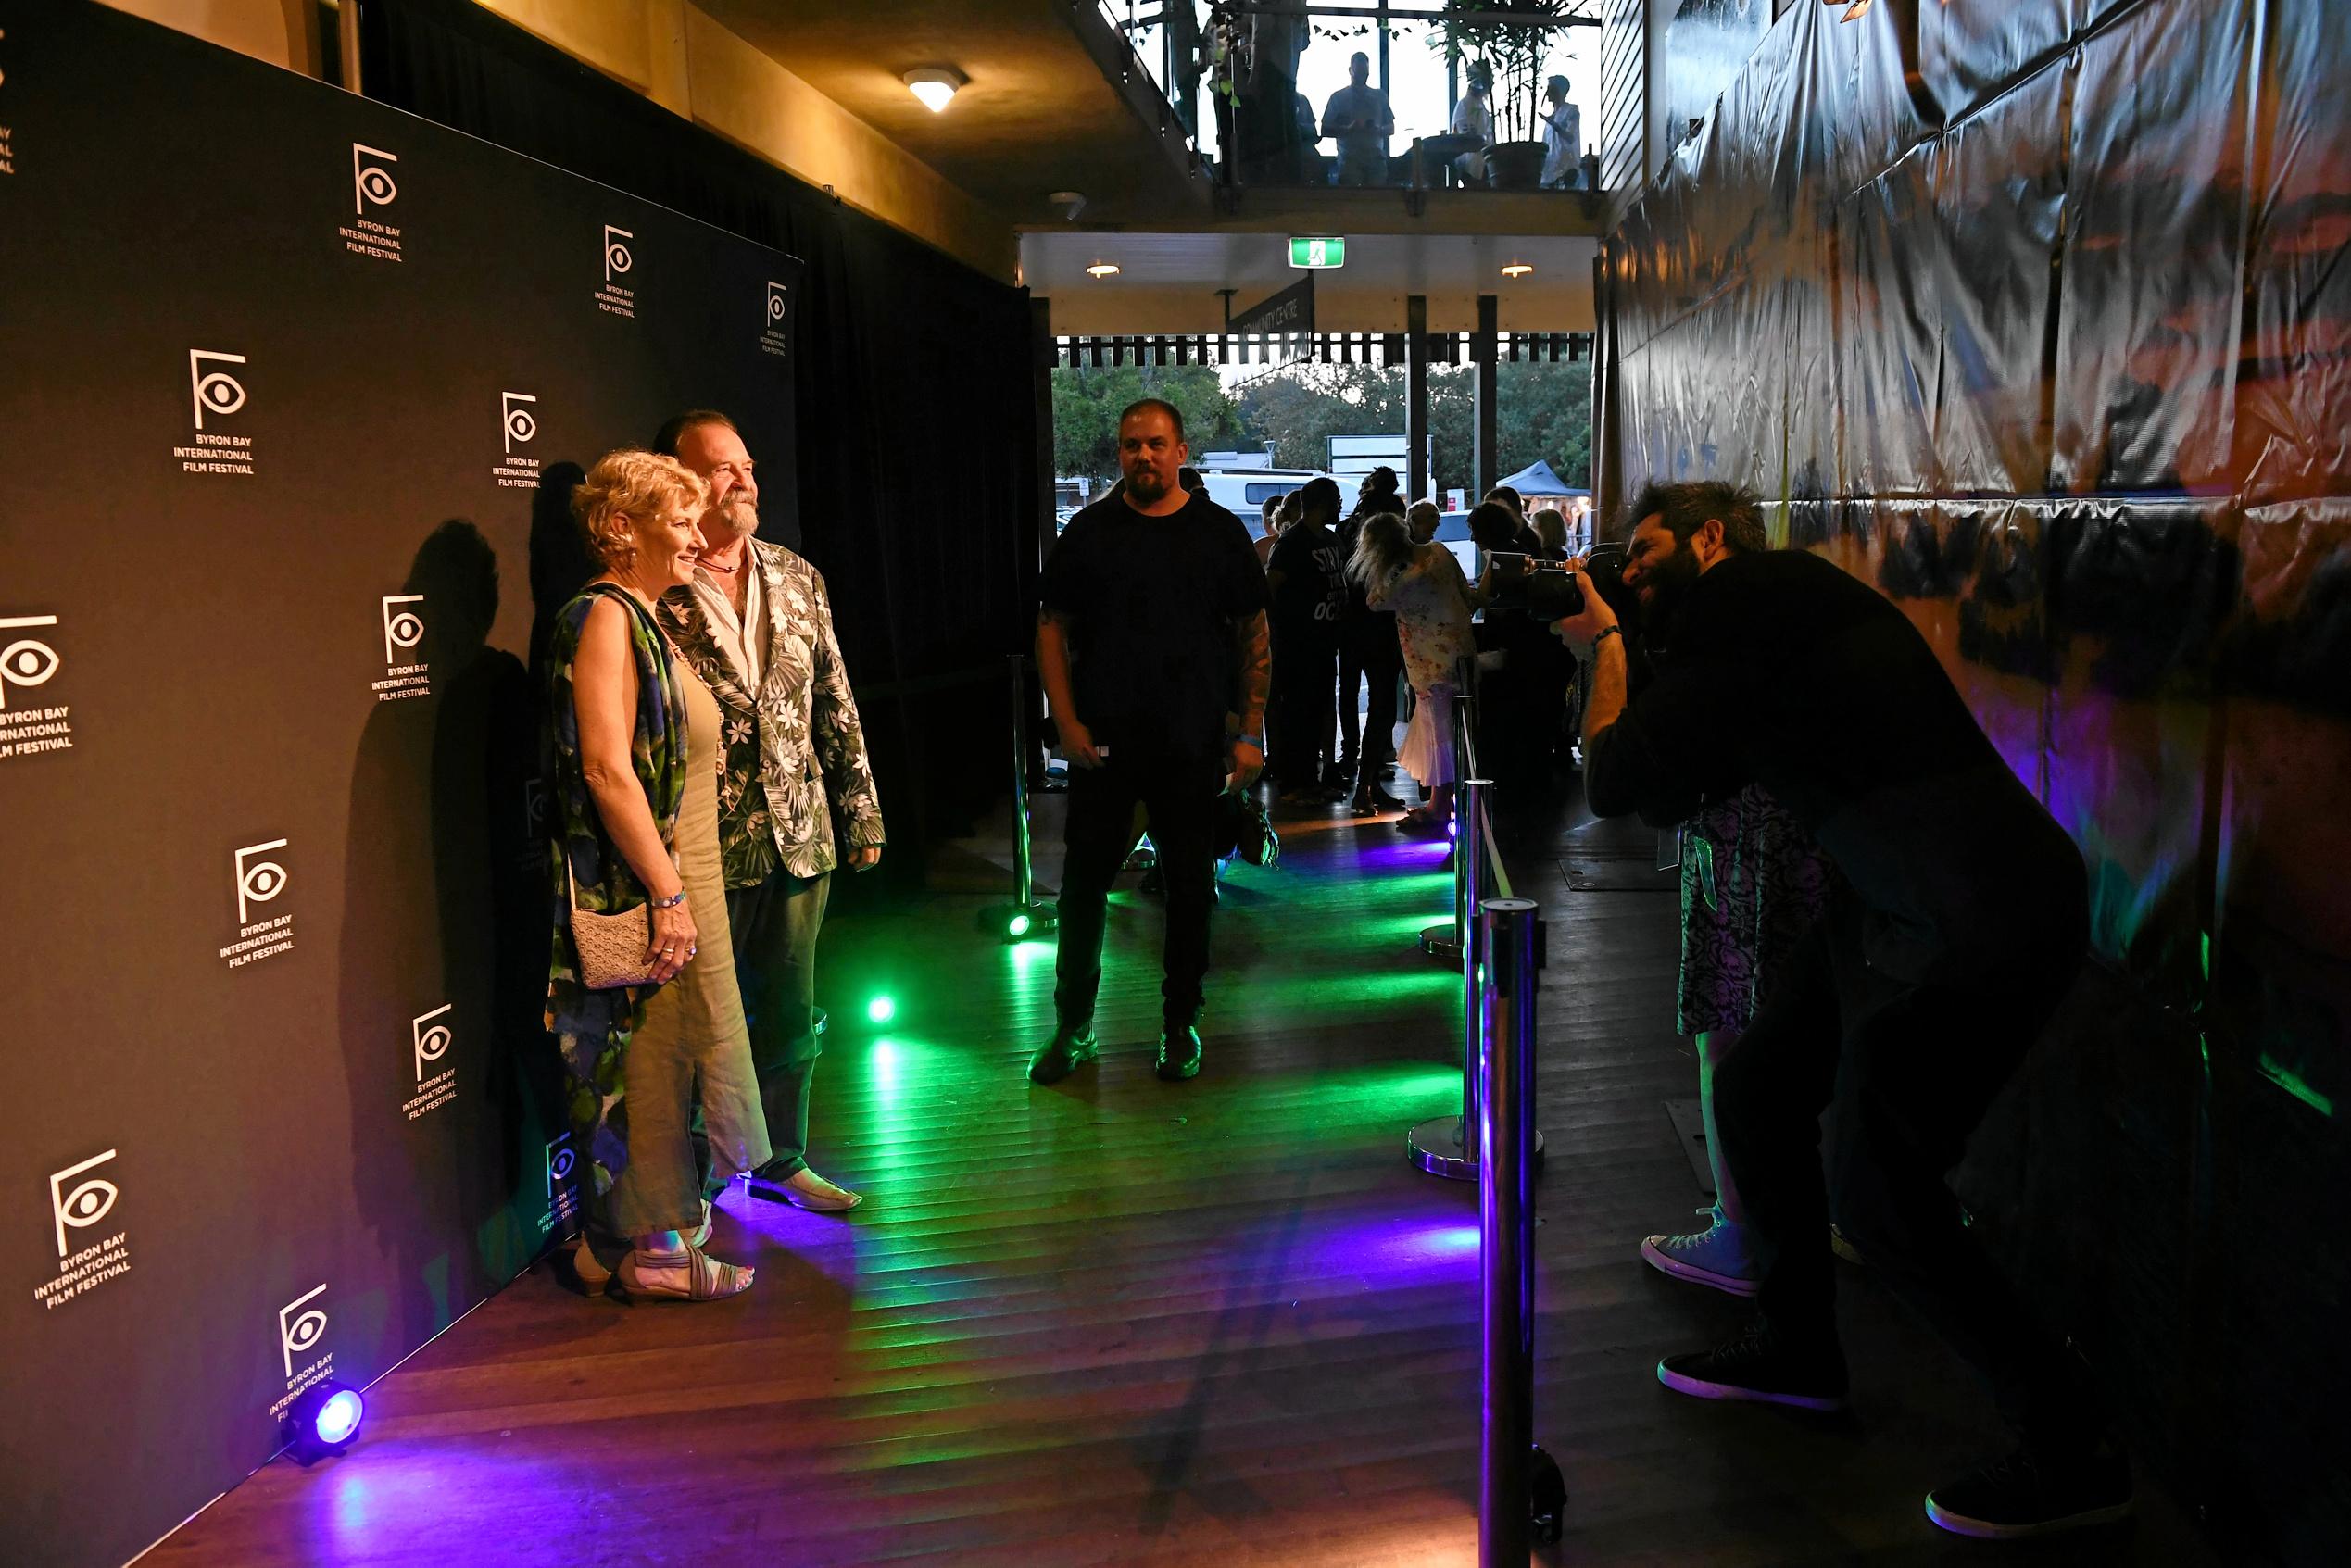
1423 584
636 747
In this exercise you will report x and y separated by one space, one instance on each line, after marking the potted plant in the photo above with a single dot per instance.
1513 39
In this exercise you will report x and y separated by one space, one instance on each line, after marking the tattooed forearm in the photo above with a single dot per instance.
1257 672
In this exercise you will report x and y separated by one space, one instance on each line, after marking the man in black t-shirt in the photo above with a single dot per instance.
1962 923
1151 641
1306 577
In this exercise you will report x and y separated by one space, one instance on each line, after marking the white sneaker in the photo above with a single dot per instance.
1719 1257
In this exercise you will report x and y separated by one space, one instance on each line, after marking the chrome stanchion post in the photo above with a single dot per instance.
1023 883
1443 941
1519 1493
1447 1146
1024 917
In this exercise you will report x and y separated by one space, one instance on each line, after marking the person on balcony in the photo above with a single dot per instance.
1563 136
1359 119
1473 115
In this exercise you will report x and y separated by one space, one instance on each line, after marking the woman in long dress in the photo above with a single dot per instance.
637 750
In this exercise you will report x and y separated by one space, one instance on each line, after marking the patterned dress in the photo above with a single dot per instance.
1430 600
611 1038
1752 883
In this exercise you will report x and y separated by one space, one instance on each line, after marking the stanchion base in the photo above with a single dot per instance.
1547 1498
1442 943
1436 1146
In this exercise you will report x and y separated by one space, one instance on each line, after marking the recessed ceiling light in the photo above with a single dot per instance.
1515 269
935 85
1102 269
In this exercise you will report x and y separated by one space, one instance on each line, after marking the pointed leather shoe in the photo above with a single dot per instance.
1064 1054
1178 1054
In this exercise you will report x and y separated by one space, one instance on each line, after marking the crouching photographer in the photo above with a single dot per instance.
1959 924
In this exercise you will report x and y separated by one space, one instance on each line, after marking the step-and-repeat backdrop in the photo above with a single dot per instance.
293 387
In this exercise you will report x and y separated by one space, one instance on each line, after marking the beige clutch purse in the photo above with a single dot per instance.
611 948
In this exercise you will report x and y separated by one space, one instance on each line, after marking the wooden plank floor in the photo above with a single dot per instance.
1120 1321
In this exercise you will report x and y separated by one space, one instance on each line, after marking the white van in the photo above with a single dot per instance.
1243 492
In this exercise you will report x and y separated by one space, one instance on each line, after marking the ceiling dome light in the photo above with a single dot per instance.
1516 269
1102 269
936 85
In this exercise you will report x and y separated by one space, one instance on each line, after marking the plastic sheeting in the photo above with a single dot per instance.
2037 316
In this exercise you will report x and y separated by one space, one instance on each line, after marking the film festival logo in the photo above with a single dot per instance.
77 1200
562 1192
299 1333
403 632
214 393
777 321
373 188
259 881
429 1039
26 662
615 298
517 424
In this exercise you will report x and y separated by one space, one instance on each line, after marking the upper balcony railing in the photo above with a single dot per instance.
1300 94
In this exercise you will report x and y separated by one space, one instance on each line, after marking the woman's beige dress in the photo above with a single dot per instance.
693 1047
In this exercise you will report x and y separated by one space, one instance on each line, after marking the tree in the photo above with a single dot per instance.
1087 401
1542 410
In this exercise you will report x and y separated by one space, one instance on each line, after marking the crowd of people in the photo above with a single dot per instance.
1878 918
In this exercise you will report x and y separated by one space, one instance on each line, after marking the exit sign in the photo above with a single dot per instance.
1307 250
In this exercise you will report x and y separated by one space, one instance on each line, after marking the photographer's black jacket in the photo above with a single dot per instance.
1788 672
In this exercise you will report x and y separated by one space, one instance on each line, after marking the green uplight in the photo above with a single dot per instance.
881 1010
1016 926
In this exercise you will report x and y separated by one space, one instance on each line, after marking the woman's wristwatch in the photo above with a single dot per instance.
671 902
1257 741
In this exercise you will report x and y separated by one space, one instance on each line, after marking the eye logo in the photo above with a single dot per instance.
87 1203
298 1335
617 258
534 807
432 1043
259 882
402 629
371 183
561 1161
776 303
214 391
518 422
26 662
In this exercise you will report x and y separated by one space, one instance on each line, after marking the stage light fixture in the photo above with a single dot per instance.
1102 269
881 1010
1016 926
936 85
1516 269
323 1419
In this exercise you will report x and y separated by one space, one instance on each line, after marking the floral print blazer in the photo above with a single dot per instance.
793 778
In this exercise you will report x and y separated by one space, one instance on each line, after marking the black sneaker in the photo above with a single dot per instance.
2023 1496
1067 1051
1178 1054
1755 1367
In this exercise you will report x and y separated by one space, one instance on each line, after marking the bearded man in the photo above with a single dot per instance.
757 626
1962 918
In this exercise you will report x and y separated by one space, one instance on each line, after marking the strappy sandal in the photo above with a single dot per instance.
707 1279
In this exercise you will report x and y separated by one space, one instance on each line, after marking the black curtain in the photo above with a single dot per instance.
917 460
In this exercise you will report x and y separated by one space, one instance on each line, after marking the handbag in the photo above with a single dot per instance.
612 949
